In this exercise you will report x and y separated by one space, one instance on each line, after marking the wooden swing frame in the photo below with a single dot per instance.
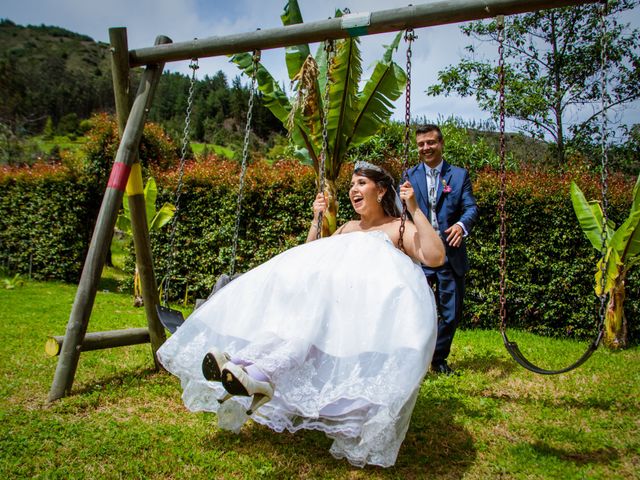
126 173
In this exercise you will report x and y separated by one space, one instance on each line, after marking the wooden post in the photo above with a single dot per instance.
101 340
94 263
135 192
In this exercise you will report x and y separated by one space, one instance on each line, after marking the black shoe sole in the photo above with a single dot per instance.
232 385
210 368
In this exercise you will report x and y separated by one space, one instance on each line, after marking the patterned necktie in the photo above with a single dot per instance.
433 194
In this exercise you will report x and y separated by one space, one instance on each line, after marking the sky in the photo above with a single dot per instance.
181 20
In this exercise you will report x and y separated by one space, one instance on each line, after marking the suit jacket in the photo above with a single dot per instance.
457 205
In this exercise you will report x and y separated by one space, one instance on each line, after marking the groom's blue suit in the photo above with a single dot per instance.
454 203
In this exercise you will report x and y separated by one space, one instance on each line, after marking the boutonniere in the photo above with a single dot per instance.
445 188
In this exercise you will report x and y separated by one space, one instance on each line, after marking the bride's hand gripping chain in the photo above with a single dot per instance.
421 241
408 195
319 207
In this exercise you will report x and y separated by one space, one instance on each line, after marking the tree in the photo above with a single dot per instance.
353 116
622 251
47 131
552 68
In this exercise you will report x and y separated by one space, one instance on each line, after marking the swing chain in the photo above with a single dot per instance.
604 162
409 37
512 347
329 49
193 65
503 174
245 156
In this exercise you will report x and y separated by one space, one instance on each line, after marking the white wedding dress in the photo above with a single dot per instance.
345 328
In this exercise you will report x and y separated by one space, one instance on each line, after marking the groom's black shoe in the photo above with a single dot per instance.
443 368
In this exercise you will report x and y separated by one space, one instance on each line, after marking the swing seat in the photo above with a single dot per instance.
171 319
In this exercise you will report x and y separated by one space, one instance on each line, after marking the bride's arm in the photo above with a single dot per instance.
420 239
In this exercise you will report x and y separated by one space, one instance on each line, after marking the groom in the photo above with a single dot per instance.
444 195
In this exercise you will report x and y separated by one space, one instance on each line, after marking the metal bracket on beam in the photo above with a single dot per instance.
356 24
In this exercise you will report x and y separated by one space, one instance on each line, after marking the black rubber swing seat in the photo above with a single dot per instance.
517 355
171 319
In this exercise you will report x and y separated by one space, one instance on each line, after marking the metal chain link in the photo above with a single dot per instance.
409 37
604 163
245 156
512 347
604 174
329 49
503 176
193 65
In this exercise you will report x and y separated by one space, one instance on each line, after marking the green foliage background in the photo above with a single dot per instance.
43 220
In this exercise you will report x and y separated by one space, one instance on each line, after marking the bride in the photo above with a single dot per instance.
334 335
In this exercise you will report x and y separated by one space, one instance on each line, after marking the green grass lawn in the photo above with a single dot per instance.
125 420
199 148
63 142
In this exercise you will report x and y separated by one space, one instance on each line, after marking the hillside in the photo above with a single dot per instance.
49 71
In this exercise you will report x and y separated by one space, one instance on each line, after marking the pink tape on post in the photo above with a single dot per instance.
119 176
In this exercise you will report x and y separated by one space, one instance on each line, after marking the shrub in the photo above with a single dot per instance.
550 265
459 148
157 150
43 221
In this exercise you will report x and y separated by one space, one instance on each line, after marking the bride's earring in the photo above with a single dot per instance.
379 199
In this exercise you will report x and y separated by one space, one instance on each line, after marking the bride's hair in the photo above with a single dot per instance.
382 179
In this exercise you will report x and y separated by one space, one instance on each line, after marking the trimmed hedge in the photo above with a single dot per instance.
45 228
550 264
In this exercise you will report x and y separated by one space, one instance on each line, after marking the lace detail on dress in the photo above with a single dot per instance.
344 328
343 397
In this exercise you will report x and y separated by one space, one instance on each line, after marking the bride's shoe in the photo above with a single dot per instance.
237 381
212 364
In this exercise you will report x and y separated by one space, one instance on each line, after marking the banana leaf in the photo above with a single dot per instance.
345 74
155 220
123 222
635 205
272 95
626 240
297 54
150 195
162 217
274 98
386 84
590 217
353 116
612 271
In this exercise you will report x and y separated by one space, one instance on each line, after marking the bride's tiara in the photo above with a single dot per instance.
362 165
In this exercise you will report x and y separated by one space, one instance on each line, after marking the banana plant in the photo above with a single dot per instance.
621 253
353 115
155 221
